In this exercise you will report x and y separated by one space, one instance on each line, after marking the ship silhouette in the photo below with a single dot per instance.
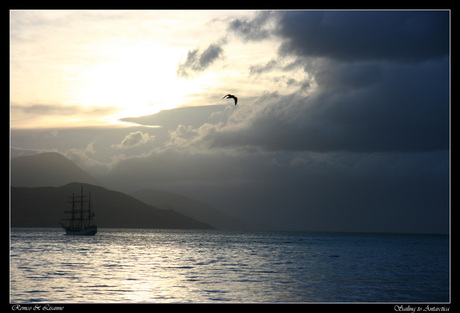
81 221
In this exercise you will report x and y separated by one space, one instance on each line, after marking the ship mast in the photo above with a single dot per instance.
89 210
72 219
81 207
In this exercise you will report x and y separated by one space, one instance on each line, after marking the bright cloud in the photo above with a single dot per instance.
134 139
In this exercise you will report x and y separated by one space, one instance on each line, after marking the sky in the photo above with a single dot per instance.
342 122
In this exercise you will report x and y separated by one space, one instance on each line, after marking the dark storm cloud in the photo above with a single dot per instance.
363 35
355 108
382 83
198 61
340 76
352 35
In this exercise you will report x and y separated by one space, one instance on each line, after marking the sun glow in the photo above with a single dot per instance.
92 68
136 79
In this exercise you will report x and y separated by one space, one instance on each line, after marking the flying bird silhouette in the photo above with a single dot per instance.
229 96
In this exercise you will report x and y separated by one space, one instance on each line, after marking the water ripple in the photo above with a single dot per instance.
215 266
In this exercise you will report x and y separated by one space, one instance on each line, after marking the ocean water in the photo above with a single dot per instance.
156 266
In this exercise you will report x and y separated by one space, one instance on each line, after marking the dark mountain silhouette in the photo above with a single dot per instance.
195 209
47 169
52 169
45 206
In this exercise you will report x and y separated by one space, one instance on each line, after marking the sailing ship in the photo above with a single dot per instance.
81 221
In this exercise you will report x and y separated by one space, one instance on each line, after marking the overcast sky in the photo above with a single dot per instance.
342 121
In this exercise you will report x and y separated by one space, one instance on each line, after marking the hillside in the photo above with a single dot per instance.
47 169
53 170
190 207
44 207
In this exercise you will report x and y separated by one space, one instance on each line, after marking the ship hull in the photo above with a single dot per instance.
88 231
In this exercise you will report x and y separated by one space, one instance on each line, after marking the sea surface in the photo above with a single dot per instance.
157 266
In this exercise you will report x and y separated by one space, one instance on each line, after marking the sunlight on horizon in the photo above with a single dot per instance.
92 68
135 82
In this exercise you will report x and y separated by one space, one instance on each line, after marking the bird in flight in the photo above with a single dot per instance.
229 96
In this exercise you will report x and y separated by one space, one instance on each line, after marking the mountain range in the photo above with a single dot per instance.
47 169
42 184
190 207
45 206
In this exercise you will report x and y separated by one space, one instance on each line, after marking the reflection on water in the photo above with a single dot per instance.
209 266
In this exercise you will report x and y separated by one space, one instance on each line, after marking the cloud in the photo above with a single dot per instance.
377 81
189 116
260 69
33 115
344 76
85 159
134 139
60 109
198 61
258 28
368 108
403 36
48 109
